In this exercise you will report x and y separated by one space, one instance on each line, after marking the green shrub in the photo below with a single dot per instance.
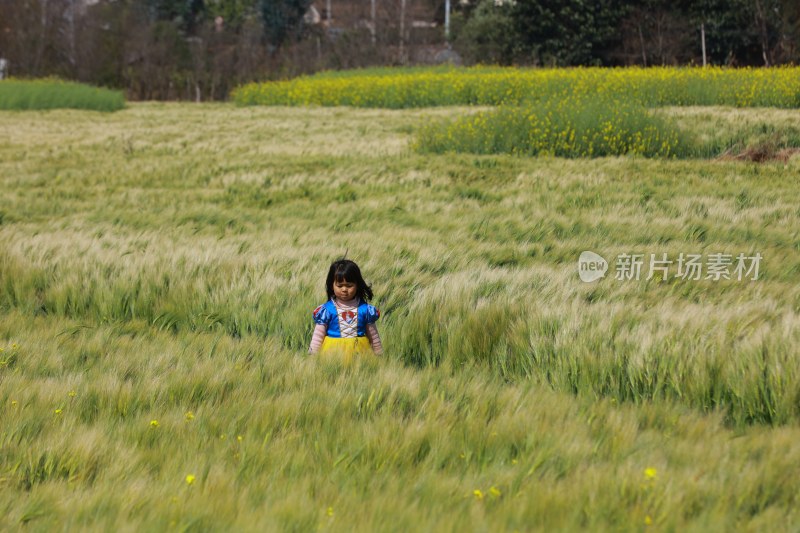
570 127
57 94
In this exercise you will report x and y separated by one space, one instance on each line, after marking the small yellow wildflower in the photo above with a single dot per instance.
330 511
239 438
648 521
494 491
190 479
15 346
72 394
478 494
154 423
13 403
650 473
513 461
57 411
222 437
189 415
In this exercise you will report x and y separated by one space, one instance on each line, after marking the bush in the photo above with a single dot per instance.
569 127
488 35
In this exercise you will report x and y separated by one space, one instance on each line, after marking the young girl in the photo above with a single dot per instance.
346 322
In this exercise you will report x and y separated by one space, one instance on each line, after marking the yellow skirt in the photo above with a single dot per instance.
346 350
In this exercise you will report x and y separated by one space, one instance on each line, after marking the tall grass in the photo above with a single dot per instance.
653 87
117 425
236 256
57 94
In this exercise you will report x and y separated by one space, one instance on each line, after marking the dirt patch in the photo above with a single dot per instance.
763 153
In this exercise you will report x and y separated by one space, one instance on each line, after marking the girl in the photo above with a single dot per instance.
346 322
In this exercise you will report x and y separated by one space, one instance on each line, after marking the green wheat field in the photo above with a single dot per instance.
159 266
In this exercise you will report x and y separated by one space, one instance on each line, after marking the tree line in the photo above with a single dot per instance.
201 49
637 32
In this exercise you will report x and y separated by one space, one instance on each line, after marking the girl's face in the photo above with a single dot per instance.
344 290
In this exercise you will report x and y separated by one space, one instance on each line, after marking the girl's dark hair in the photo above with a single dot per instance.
346 270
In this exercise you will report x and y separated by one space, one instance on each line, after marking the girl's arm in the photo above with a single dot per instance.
317 338
374 339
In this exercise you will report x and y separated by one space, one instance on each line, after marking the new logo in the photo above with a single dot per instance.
591 266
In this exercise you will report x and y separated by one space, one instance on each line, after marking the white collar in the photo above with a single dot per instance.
339 303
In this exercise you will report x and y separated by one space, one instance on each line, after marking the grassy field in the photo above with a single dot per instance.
158 269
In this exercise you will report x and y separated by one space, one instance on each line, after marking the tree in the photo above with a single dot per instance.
736 31
571 32
489 35
787 50
32 37
234 13
184 13
282 19
655 33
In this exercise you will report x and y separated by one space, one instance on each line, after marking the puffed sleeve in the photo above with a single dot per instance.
322 315
372 314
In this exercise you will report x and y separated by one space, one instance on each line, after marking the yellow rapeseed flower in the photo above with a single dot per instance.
154 423
478 494
57 411
650 473
494 491
189 415
190 479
